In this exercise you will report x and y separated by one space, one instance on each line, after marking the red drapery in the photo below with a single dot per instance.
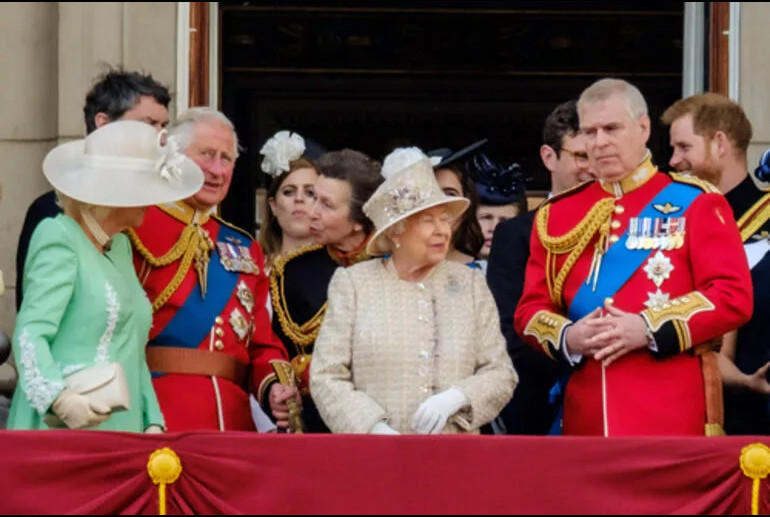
235 473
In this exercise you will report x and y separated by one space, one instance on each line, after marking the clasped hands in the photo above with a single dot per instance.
432 415
607 336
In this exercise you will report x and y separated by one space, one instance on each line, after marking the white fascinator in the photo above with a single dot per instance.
280 150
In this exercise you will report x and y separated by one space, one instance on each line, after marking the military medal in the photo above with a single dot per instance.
680 233
656 234
245 296
663 239
236 258
633 238
658 268
647 232
239 323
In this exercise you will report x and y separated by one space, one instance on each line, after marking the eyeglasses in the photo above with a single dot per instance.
580 157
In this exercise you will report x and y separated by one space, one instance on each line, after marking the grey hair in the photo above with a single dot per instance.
398 228
72 207
184 124
605 88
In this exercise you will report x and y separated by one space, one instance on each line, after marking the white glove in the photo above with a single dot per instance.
153 429
78 411
382 428
431 416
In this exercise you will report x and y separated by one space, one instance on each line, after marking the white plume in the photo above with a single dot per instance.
400 159
281 149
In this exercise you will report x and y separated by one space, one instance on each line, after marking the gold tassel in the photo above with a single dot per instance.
163 467
755 464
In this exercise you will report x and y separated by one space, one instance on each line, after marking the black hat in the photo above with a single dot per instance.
448 157
495 184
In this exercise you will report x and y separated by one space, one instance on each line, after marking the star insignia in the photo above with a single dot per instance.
656 299
658 268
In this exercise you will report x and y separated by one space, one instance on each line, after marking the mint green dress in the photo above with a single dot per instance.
80 308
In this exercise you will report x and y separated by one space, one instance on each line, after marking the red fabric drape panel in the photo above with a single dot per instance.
236 473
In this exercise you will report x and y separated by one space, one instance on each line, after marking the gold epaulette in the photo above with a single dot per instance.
301 335
755 217
230 225
704 185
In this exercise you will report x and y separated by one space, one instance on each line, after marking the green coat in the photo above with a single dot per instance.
80 308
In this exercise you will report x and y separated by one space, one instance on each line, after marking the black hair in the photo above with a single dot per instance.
563 120
117 91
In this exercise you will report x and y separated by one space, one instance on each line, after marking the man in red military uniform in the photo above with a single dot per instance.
211 342
630 278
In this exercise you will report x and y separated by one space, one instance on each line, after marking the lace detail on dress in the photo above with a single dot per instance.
113 308
40 391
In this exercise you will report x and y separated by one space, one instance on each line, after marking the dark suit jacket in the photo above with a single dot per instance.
41 208
529 412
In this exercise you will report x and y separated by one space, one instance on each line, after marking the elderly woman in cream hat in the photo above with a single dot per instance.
411 342
82 328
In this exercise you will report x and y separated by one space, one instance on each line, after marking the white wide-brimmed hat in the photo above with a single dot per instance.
410 186
123 164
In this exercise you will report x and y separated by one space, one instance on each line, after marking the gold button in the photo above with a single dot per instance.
619 209
614 239
219 332
218 344
218 320
615 225
609 301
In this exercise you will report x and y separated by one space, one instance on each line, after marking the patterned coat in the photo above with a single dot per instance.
196 339
386 345
80 308
688 294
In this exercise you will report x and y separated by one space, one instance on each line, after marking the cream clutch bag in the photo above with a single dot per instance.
105 383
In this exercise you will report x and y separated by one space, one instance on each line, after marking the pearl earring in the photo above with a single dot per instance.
398 245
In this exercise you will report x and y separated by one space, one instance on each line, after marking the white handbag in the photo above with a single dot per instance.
105 383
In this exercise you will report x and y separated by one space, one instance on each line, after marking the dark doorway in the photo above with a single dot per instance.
374 75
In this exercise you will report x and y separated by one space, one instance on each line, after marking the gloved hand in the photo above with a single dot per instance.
432 415
153 429
78 411
382 428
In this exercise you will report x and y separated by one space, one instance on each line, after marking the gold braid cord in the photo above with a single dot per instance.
193 243
573 242
755 217
301 335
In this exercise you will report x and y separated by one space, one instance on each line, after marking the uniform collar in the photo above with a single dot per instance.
185 213
633 181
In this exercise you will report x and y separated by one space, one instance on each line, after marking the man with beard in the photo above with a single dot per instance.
710 135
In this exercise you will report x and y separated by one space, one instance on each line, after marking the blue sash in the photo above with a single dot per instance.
619 262
195 317
618 265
